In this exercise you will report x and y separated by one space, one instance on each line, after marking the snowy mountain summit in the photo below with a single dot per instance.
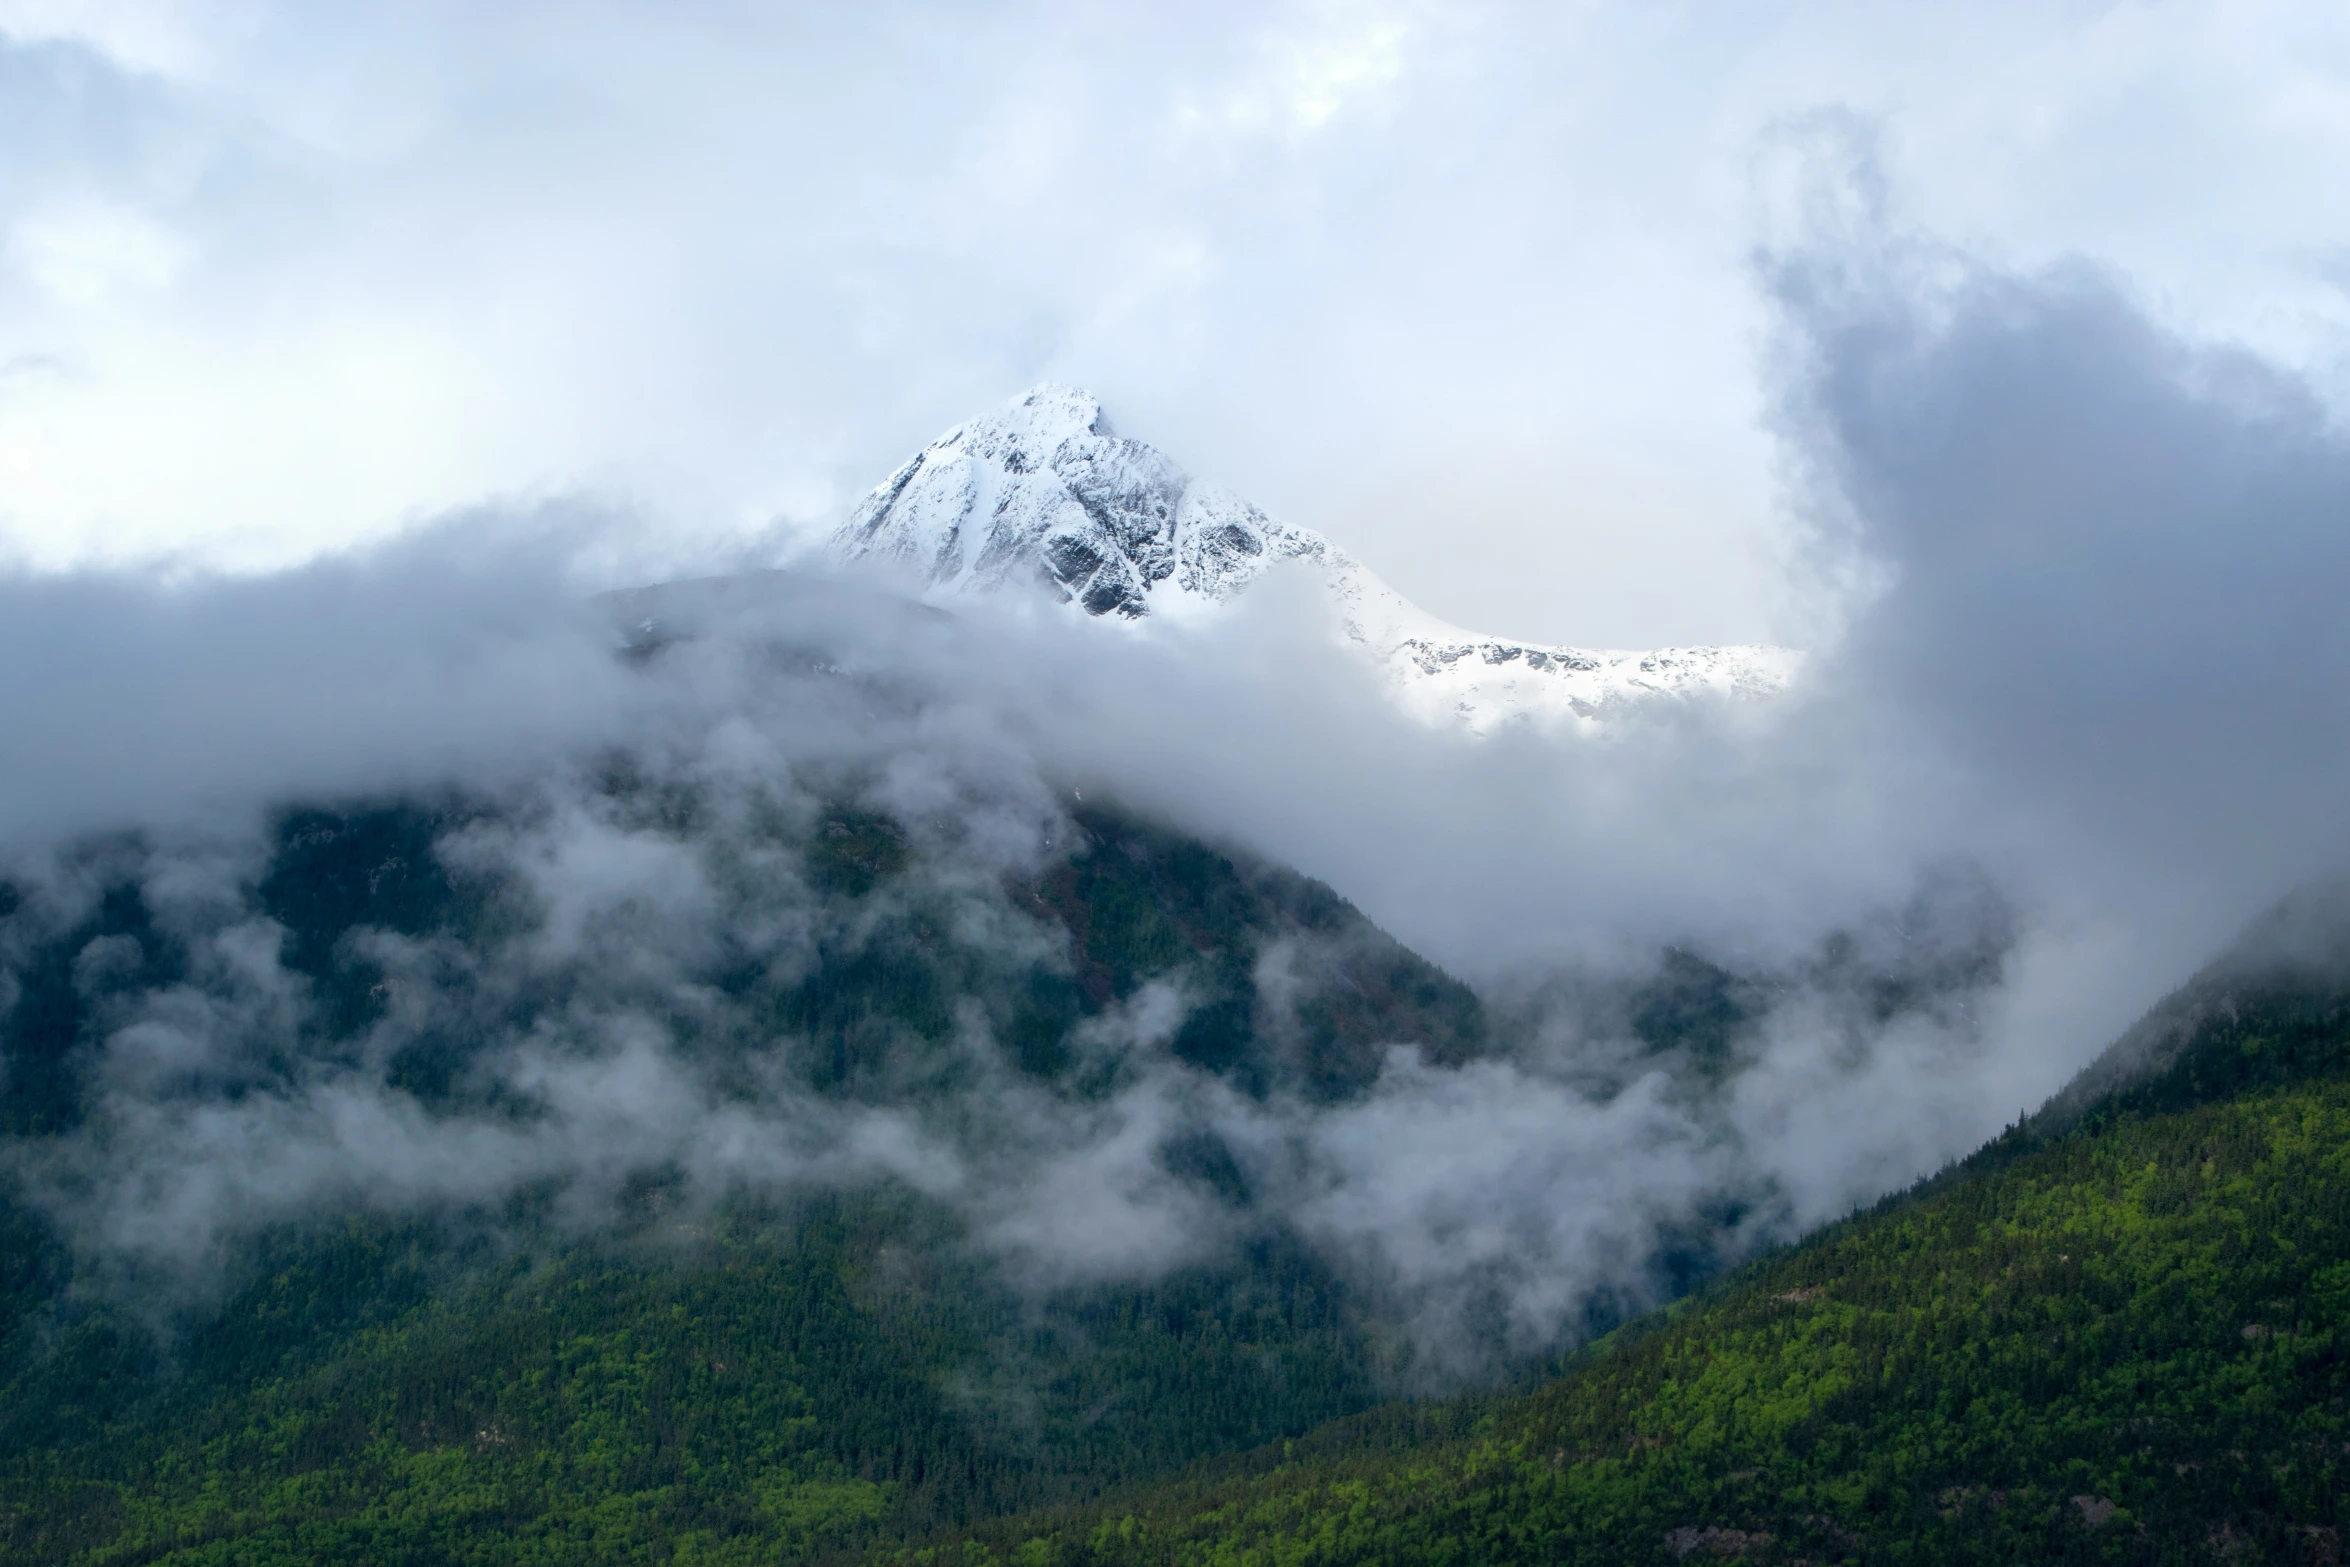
1044 490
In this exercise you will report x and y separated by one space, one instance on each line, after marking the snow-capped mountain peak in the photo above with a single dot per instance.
1043 490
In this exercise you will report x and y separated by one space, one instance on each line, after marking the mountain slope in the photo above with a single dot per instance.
2121 1333
1044 492
677 1370
2245 1019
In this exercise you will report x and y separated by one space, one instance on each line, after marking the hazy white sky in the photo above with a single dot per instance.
1464 285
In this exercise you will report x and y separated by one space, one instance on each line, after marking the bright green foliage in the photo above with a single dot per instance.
743 1384
2126 1340
2121 1332
731 1389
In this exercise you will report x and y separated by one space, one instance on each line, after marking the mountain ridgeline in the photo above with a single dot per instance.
1043 493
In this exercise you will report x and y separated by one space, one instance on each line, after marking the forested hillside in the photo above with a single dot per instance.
673 1375
2120 1333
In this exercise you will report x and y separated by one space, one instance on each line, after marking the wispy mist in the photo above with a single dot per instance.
1748 964
138 698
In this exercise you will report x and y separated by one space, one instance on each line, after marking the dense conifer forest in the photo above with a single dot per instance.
2121 1332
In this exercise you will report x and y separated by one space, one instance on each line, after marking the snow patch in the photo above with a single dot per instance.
1044 491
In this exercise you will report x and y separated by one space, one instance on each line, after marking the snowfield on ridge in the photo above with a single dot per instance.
1044 491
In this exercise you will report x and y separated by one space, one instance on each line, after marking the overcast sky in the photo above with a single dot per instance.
1466 286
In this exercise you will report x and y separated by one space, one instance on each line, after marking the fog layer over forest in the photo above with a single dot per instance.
2076 713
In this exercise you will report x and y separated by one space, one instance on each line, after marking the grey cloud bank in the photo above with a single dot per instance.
2082 720
131 699
2107 564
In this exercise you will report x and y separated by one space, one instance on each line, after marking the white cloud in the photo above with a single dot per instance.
162 37
92 253
1340 56
1462 285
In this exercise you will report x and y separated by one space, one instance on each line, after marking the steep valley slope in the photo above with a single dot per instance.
2118 1333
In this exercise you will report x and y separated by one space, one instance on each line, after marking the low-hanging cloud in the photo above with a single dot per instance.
2081 719
2104 563
135 698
